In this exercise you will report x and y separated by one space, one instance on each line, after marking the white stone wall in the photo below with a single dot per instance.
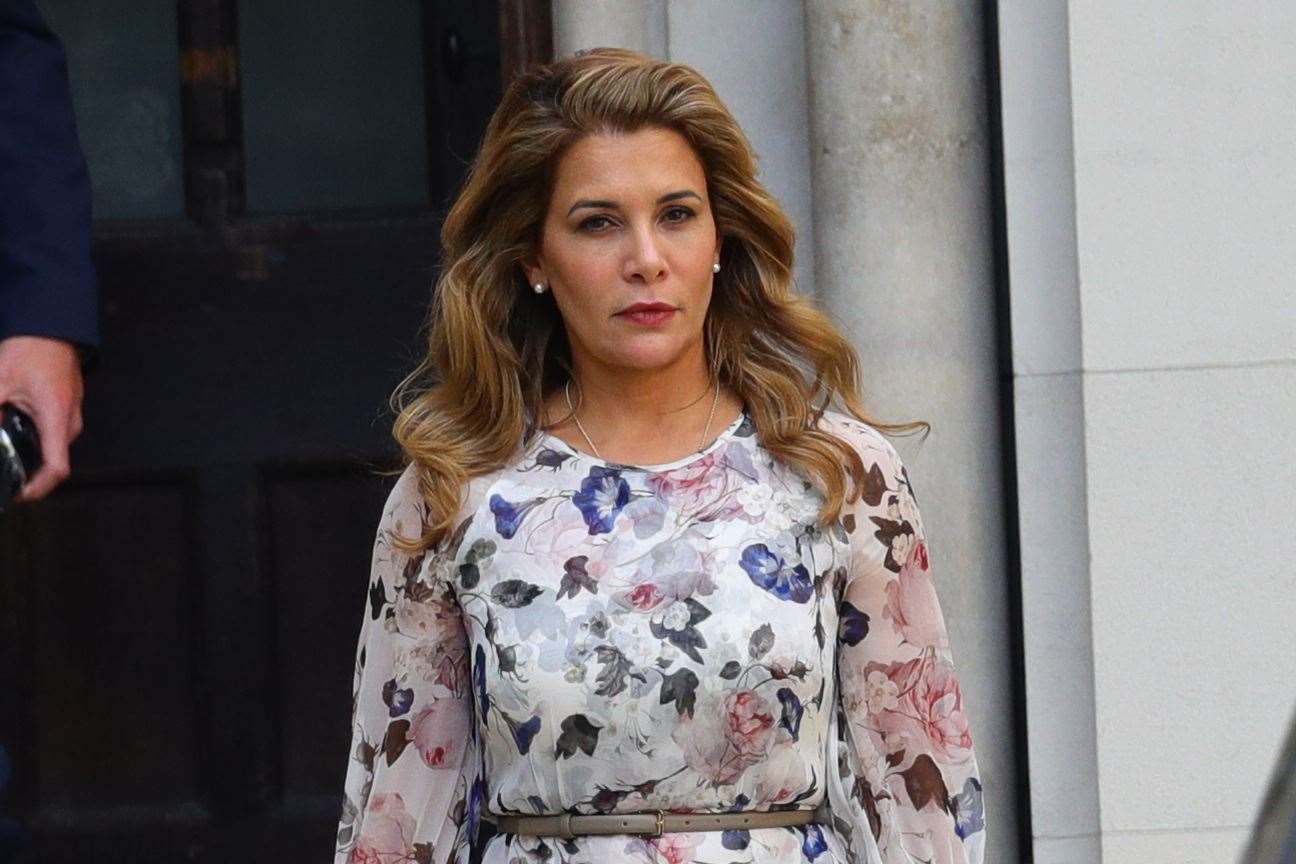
1185 135
1152 249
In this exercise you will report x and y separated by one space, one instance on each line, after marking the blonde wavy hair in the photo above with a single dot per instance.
495 349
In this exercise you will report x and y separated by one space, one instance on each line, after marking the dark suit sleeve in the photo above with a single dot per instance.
48 285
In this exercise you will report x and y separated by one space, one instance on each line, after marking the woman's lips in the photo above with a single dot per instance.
649 317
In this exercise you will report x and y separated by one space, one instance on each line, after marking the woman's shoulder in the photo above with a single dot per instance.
405 511
871 444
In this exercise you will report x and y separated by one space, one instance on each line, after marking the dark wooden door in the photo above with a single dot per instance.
178 621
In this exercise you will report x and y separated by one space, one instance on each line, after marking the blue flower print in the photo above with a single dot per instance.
814 844
853 625
479 679
602 497
523 733
509 516
735 839
475 804
398 700
792 712
969 809
771 572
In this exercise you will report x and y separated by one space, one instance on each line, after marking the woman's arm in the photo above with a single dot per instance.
914 774
412 790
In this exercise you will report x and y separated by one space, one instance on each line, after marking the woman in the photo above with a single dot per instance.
632 568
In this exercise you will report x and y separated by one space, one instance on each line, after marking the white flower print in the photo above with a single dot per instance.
755 498
672 617
881 692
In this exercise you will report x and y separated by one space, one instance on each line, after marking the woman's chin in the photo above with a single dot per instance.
643 350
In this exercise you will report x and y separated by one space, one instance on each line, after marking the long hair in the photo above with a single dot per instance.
495 349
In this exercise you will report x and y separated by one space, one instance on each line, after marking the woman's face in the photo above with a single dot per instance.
629 222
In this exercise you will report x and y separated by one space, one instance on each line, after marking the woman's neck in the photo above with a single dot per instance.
659 425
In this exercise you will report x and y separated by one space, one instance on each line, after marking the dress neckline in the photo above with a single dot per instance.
719 441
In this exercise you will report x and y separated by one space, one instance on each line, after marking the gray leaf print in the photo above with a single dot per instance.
514 593
611 678
761 641
579 733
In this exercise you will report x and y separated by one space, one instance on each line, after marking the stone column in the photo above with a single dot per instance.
1049 423
904 262
639 26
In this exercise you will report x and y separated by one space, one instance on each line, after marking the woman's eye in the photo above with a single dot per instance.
594 223
599 223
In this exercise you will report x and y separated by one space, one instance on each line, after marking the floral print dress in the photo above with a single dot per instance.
606 638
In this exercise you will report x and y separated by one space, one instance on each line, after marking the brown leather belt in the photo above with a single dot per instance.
653 823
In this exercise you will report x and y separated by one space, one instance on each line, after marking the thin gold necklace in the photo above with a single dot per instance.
701 445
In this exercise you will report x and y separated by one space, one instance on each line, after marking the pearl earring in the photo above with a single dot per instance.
715 268
539 287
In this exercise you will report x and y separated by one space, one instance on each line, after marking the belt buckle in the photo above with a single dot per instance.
658 832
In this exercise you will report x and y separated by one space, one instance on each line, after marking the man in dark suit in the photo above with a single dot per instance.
49 327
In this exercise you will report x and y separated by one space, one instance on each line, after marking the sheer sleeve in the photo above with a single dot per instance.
413 787
907 777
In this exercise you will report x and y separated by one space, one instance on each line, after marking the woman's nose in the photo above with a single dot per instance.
644 258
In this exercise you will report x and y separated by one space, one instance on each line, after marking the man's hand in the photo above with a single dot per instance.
43 377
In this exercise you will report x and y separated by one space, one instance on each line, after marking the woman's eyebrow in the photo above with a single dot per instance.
671 196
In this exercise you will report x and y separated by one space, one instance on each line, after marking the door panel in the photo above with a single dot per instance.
108 670
333 104
122 61
178 620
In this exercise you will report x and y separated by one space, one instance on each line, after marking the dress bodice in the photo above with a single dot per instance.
597 637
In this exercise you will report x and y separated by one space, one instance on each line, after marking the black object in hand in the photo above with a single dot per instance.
20 455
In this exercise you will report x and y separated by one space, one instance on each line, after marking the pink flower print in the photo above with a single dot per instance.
440 732
417 618
387 831
750 723
920 556
912 605
645 596
698 487
677 569
676 848
725 737
929 711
